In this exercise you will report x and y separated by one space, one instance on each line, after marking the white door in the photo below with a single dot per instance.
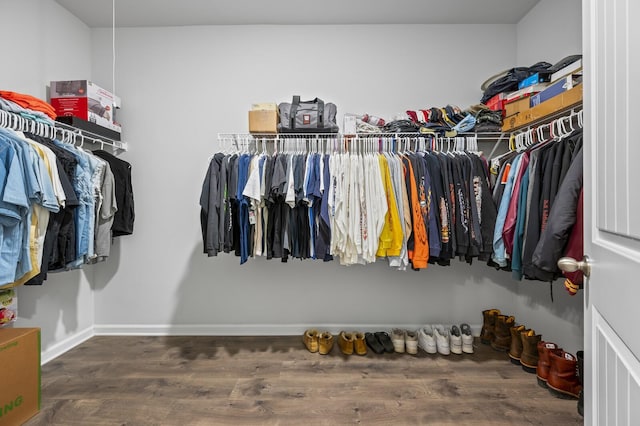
611 42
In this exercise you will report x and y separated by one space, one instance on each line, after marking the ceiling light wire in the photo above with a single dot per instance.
113 47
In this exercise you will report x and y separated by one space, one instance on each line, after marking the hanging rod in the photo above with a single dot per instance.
279 136
55 129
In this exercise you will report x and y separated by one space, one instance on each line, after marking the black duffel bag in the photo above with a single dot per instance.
307 116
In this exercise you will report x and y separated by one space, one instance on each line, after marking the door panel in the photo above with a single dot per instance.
617 384
612 211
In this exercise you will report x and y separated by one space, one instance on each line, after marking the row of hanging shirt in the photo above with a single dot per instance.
381 197
538 186
57 207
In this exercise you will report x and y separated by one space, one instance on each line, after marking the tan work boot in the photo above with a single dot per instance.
515 351
529 357
488 326
502 338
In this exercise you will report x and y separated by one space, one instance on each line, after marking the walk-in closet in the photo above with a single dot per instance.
186 324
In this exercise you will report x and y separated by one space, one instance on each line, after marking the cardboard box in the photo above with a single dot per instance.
263 121
561 102
85 100
269 106
20 360
516 106
8 307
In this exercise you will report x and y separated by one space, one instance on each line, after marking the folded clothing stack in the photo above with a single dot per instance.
487 120
29 102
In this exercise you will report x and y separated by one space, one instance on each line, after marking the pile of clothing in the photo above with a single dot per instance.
486 119
447 121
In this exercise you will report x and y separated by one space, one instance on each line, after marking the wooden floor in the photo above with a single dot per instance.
275 380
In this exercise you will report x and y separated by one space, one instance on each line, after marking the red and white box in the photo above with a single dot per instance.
84 99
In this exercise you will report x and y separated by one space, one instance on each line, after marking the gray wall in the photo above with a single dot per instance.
182 85
54 45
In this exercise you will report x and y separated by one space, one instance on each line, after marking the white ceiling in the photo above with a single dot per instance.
145 13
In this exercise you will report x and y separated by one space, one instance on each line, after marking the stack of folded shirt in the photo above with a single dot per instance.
486 120
447 121
29 102
13 107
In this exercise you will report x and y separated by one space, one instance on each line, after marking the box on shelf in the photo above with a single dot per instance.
526 91
529 81
516 106
20 360
563 101
554 89
263 121
84 99
496 103
8 306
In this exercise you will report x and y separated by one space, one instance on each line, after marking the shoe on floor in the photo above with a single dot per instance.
488 325
455 340
374 343
426 341
325 343
467 338
441 335
563 378
411 342
385 341
310 339
359 344
345 342
398 337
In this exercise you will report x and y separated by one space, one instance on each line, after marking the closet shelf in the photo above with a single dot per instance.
64 132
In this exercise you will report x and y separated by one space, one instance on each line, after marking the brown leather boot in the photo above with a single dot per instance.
542 371
502 338
488 326
529 357
563 379
516 343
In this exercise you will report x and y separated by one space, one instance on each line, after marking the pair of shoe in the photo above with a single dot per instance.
404 341
523 348
496 329
379 342
560 371
315 341
438 339
352 342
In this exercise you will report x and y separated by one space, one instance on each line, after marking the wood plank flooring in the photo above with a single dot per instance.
276 381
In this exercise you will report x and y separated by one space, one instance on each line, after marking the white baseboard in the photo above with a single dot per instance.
213 330
66 345
243 329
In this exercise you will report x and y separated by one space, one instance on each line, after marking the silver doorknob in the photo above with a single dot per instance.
569 264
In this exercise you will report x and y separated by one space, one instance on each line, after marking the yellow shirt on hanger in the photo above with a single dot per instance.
391 235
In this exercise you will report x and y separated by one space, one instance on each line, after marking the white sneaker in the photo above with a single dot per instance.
397 338
441 335
426 341
467 339
456 340
411 342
